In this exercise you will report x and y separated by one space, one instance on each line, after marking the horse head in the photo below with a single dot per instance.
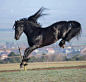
19 28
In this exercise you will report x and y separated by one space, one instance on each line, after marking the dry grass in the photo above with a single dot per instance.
16 66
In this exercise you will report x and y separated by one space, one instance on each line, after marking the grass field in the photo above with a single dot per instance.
42 65
61 75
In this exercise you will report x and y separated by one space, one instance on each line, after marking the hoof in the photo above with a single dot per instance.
23 64
63 46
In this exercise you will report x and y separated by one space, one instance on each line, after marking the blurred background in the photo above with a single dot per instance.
57 10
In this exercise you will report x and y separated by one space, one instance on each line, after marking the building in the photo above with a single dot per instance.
83 51
4 56
50 50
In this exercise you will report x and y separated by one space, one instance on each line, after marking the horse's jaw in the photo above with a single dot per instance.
17 37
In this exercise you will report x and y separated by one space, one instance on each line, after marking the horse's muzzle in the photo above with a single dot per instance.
17 37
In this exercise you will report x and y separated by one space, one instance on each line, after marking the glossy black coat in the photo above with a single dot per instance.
38 36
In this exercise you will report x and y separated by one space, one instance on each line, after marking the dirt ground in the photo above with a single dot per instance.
76 67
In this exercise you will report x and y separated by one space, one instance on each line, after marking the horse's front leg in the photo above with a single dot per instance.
26 54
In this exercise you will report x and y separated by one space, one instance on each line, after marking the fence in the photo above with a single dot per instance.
47 56
39 55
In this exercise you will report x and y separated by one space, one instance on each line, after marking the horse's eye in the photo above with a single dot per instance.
21 29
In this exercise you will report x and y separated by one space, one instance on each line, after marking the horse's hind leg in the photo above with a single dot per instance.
62 43
67 38
72 33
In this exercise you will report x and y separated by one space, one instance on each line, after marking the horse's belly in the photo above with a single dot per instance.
50 40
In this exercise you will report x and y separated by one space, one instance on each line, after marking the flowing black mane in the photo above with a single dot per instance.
40 37
33 19
37 15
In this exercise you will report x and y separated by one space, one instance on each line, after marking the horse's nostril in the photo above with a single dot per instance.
17 33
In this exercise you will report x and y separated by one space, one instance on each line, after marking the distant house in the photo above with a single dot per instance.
4 56
24 47
50 50
7 52
1 51
68 51
83 51
2 46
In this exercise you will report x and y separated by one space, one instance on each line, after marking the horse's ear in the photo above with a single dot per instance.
16 21
14 25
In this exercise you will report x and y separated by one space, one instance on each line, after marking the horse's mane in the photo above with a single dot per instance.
37 15
33 19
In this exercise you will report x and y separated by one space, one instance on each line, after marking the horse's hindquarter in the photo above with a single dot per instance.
54 32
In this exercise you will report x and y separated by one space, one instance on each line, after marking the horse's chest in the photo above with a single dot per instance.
36 39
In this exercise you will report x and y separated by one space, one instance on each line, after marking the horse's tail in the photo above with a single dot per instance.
76 26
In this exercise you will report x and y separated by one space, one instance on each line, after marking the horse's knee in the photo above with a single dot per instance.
25 59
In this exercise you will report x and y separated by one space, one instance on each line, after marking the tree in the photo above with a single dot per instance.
13 59
32 59
43 58
65 58
13 54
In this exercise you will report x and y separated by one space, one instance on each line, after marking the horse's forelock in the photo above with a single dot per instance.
14 25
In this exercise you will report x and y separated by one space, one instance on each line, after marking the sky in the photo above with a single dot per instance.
57 10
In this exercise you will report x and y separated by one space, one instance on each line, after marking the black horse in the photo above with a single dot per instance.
39 37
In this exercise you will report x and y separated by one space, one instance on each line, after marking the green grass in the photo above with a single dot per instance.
62 75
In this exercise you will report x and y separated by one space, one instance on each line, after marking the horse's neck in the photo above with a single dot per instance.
29 30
